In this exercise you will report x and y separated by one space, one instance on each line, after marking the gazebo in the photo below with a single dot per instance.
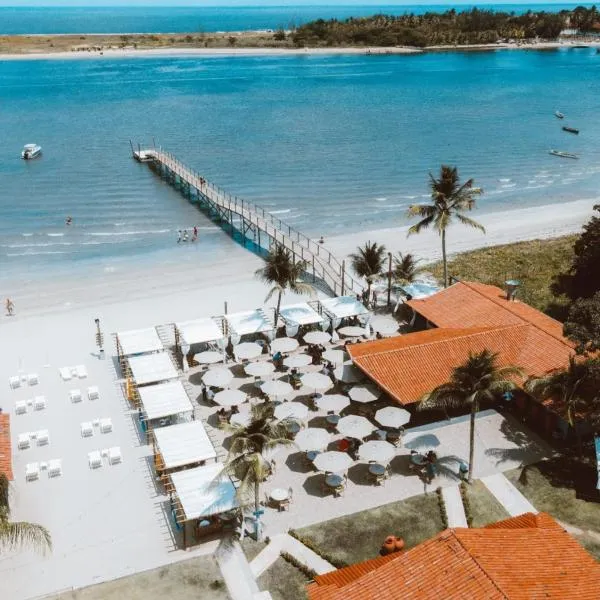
136 342
198 331
150 368
249 322
344 307
301 314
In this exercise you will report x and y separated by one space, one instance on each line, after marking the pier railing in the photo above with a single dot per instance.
322 262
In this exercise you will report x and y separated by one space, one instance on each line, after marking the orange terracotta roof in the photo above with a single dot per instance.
523 558
350 573
5 447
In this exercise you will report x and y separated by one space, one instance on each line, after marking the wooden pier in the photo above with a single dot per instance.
253 223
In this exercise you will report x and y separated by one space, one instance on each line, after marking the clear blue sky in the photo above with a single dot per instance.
26 3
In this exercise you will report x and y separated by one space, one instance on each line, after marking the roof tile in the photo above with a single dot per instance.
5 446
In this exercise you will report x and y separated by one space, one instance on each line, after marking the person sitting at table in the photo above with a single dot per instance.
278 360
210 395
344 445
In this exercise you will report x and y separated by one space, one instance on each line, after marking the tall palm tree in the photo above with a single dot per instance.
16 534
406 267
368 262
283 274
248 453
450 199
478 379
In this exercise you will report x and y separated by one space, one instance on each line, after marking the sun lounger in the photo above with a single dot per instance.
106 425
114 455
39 403
20 407
94 459
81 371
54 467
24 441
65 373
75 395
32 471
14 382
93 393
87 429
42 437
33 379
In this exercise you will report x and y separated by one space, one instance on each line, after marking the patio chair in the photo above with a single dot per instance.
94 459
65 373
106 425
54 467
14 382
81 371
24 441
39 403
284 505
87 430
75 396
33 379
20 407
32 471
114 455
93 393
43 437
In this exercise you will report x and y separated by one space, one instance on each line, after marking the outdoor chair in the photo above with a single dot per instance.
39 403
32 471
93 393
106 425
81 371
75 396
284 505
114 455
20 407
94 459
24 441
54 467
43 437
65 373
33 379
14 382
87 430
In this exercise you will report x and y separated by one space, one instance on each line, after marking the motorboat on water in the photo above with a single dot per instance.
31 151
562 154
559 115
571 130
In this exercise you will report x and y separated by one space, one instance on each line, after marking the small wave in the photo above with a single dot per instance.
413 197
508 185
113 233
42 245
383 199
27 234
534 187
280 212
35 253
504 179
55 234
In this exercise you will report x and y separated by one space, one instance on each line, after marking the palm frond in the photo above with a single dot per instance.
15 535
274 290
423 224
4 486
441 398
470 222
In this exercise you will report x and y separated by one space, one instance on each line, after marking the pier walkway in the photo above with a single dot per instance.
252 222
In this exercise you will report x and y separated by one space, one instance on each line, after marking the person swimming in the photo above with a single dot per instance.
68 220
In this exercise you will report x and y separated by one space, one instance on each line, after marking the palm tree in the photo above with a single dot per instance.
283 273
16 534
368 262
248 453
478 379
450 199
406 268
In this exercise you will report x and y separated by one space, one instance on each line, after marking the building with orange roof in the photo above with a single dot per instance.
522 558
5 446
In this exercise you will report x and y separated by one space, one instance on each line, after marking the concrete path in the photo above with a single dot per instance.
508 495
236 572
454 506
286 543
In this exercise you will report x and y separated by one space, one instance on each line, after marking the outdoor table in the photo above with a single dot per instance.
312 454
334 481
418 459
333 419
376 469
279 494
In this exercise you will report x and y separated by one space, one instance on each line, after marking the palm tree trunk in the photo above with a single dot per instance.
278 308
472 441
257 527
444 259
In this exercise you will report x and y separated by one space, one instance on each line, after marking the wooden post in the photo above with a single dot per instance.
389 279
343 276
313 267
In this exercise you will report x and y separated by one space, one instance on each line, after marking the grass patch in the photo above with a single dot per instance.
590 544
252 548
535 263
284 581
485 509
357 537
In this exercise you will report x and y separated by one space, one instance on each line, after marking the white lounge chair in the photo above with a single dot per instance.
20 407
106 425
81 371
42 437
65 373
87 430
114 455
75 395
93 393
24 441
32 471
14 382
94 459
33 379
54 467
39 403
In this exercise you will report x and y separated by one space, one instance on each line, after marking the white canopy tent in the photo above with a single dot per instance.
152 368
138 341
199 331
248 322
344 306
183 444
165 400
300 314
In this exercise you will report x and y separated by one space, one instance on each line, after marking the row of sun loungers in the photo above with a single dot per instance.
52 467
16 381
113 456
41 438
68 373
104 425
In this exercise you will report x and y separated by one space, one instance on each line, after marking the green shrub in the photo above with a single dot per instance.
464 493
442 504
338 564
307 571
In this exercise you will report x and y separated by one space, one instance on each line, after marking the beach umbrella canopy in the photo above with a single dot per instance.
384 324
241 419
352 331
364 393
317 337
332 402
276 388
219 377
230 397
284 344
291 410
297 360
333 461
348 373
312 438
392 416
317 381
247 350
376 450
337 357
355 427
259 369
209 357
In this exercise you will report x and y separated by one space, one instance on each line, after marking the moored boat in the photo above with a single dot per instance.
559 115
31 151
571 130
563 154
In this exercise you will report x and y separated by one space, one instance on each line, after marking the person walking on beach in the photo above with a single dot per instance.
178 236
195 236
185 235
10 307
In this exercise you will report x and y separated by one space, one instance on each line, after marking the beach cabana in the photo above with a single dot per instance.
301 314
151 368
199 496
249 322
344 307
137 341
199 331
182 445
159 404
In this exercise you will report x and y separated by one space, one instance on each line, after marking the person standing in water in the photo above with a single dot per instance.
185 235
178 236
195 236
68 220
10 307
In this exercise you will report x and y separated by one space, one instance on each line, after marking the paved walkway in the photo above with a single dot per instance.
454 506
236 572
508 495
286 543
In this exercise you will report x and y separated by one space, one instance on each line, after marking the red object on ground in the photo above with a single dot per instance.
343 445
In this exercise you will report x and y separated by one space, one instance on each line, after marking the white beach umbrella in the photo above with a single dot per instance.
348 373
317 381
230 397
284 344
219 377
378 451
297 361
364 393
317 337
209 357
241 419
291 410
312 438
332 402
333 461
355 426
259 369
277 388
384 324
247 350
352 331
392 416
337 357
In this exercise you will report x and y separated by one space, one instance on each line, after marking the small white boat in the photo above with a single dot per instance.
144 155
559 115
31 151
562 154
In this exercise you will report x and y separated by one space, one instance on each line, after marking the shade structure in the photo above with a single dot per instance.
284 344
378 451
277 388
259 369
219 377
364 393
204 491
352 331
209 357
300 314
420 289
230 397
384 324
317 381
250 321
297 361
291 410
152 368
344 306
241 419
332 402
247 350
337 357
199 331
392 416
183 444
165 400
333 462
348 373
355 426
138 341
312 438
317 337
